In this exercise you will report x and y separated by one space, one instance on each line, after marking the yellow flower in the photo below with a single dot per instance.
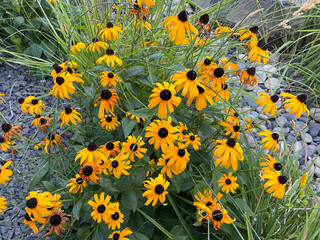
182 132
270 141
231 129
109 79
76 47
120 235
205 95
31 223
69 115
223 29
37 204
296 104
206 65
223 94
5 145
109 122
258 52
133 147
96 45
270 164
179 157
193 140
88 154
50 140
148 3
269 101
2 204
110 32
276 183
178 25
63 85
228 183
166 169
157 190
164 96
143 24
119 165
109 58
116 218
247 76
107 99
90 171
187 80
76 184
110 149
42 122
36 106
303 180
5 173
227 65
24 103
101 208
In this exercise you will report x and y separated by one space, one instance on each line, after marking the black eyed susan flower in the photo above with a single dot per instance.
231 129
187 80
228 183
5 145
58 221
36 205
206 65
296 104
43 122
2 204
223 30
216 77
193 140
5 172
110 149
205 200
166 169
107 99
227 65
120 235
182 132
104 163
164 96
88 154
109 79
232 116
218 216
179 157
116 218
36 106
223 94
110 32
76 47
247 76
157 190
51 140
109 122
148 3
109 58
134 117
133 147
269 101
250 33
270 140
276 183
101 208
162 134
76 184
55 202
96 45
178 25
25 103
205 95
31 223
90 171
69 115
204 23
119 165
258 52
63 86
270 164
228 152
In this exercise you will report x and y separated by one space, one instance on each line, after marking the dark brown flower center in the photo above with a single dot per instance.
200 89
1 141
51 136
163 132
231 142
109 146
69 70
116 236
115 164
218 72
43 121
110 75
95 40
224 86
282 179
191 75
165 95
109 52
106 94
87 170
109 25
251 71
207 61
21 100
236 128
217 215
58 69
109 119
236 114
192 138
275 136
184 132
55 220
159 189
32 203
204 18
60 80
181 152
6 127
115 216
274 98
79 180
228 181
134 147
208 204
68 110
262 45
254 29
302 98
34 101
92 146
101 208
277 166
182 16
74 43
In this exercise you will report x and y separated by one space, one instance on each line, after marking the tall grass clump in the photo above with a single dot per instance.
143 130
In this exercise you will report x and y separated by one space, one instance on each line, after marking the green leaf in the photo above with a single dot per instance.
76 209
156 56
49 186
143 112
127 126
35 50
241 204
17 21
133 71
138 236
20 146
130 200
43 170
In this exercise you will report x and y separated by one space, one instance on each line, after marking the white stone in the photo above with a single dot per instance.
272 83
308 138
297 147
317 161
317 172
311 170
315 114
